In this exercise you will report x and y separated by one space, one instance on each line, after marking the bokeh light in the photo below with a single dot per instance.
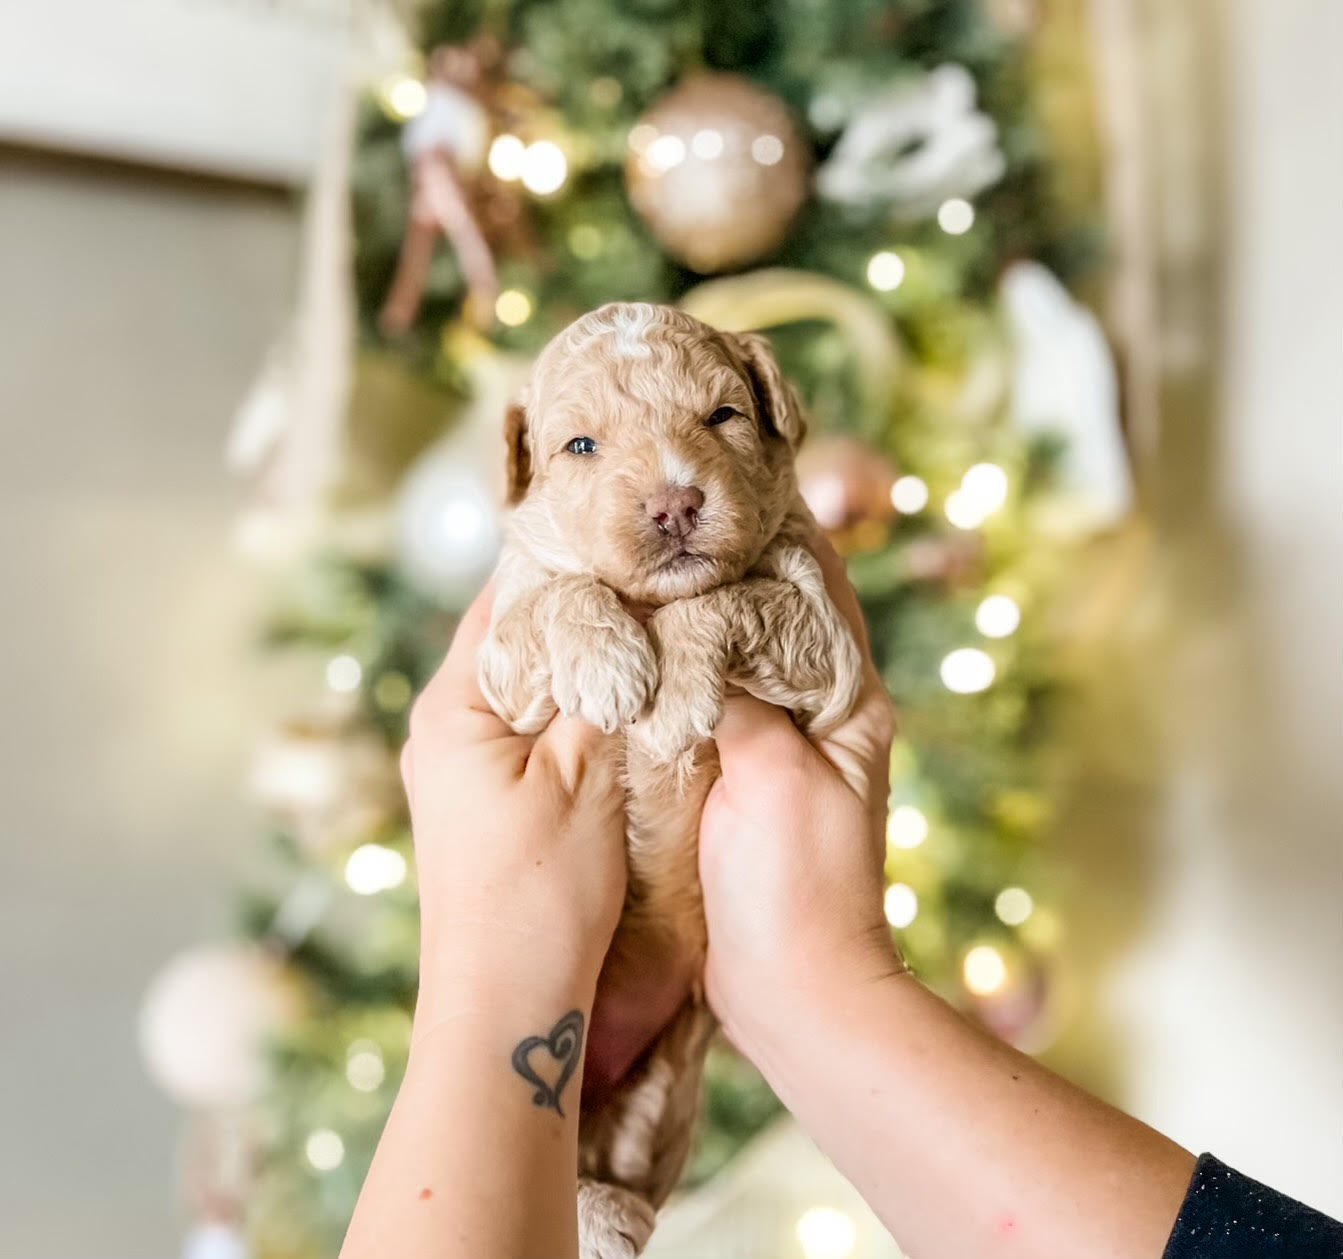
968 670
997 616
984 970
902 904
885 271
373 868
826 1233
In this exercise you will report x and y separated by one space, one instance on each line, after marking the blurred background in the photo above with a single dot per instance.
1060 281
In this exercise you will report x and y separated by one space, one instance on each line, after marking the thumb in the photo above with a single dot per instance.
751 731
578 749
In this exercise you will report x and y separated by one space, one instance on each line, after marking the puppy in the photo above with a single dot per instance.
656 553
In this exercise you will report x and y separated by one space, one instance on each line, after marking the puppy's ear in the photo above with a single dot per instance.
779 407
517 453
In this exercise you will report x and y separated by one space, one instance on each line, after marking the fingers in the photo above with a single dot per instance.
752 733
578 751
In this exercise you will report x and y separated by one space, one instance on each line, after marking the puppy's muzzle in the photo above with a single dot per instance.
675 510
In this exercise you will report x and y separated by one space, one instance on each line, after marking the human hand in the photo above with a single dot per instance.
519 840
791 850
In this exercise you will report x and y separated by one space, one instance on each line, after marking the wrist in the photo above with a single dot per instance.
497 969
512 934
820 1006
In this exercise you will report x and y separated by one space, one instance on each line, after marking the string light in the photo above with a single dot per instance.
982 492
641 136
967 670
998 616
506 155
984 970
956 216
767 150
364 1067
373 868
825 1233
885 271
324 1149
544 167
406 97
909 495
343 674
1013 906
902 905
513 307
961 511
986 483
906 827
707 144
664 153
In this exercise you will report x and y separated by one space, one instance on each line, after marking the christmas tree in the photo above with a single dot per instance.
868 182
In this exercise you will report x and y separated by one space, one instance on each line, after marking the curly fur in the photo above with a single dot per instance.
600 611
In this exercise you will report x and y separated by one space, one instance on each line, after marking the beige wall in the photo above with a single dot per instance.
1208 830
132 313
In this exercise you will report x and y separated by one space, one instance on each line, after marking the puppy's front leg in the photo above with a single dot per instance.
796 650
775 634
691 639
566 643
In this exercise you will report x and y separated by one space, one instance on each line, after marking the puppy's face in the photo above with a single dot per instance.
653 452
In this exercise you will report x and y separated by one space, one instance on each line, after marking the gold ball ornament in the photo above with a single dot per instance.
1010 991
717 169
847 486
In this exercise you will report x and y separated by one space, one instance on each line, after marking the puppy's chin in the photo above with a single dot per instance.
680 577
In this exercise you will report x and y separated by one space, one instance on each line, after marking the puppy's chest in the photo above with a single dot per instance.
664 798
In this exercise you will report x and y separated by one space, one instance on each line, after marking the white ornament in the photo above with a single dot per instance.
207 1019
453 120
449 512
1064 382
329 786
449 526
215 1241
914 147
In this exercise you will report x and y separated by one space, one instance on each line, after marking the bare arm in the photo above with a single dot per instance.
519 846
960 1144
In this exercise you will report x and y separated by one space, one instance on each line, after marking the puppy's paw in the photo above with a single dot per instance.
613 1223
515 687
681 716
604 673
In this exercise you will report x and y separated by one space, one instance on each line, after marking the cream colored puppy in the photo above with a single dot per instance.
656 553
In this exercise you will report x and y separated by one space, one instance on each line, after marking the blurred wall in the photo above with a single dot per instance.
133 310
1211 871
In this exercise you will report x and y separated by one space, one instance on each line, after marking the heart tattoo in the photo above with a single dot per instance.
564 1044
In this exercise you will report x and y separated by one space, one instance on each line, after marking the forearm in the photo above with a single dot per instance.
962 1145
479 1160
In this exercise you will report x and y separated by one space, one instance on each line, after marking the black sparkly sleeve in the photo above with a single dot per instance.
1229 1216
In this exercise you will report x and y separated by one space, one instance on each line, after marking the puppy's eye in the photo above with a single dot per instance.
721 416
582 446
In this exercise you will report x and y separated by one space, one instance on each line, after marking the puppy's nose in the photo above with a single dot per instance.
675 509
